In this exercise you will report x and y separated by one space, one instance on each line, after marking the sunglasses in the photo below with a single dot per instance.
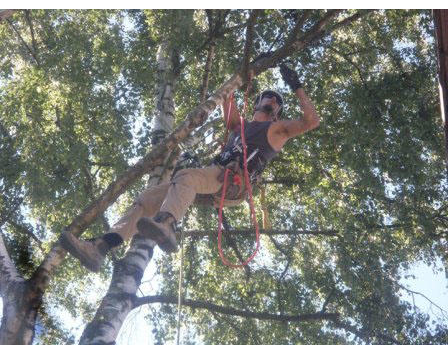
270 95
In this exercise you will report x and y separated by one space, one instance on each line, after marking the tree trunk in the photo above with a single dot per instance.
167 62
441 27
128 272
19 303
120 297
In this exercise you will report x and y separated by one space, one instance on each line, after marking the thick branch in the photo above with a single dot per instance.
236 312
121 295
441 34
294 44
155 157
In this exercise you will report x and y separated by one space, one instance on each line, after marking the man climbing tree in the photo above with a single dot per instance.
157 209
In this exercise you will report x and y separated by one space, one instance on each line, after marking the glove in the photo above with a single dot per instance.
290 77
263 55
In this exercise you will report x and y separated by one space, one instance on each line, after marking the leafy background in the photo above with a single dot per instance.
76 105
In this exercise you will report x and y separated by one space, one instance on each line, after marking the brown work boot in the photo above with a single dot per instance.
161 229
91 253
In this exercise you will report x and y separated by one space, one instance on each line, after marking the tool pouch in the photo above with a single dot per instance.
235 181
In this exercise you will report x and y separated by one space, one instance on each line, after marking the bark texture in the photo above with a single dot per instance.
121 296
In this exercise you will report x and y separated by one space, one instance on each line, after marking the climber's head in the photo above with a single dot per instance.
270 103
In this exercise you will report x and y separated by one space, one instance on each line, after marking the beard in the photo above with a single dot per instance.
268 109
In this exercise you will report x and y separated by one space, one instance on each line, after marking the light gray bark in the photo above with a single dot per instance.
13 292
163 122
128 272
121 296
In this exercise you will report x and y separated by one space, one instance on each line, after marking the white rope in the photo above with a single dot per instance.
181 277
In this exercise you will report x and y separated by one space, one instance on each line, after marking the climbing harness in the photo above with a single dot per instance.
237 181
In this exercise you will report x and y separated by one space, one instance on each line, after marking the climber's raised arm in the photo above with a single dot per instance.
310 119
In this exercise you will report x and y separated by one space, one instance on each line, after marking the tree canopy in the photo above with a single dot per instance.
352 205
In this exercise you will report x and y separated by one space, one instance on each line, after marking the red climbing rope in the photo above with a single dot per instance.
249 190
227 123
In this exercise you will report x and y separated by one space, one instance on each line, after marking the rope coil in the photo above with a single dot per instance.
249 189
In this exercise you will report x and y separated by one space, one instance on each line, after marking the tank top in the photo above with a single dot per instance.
259 151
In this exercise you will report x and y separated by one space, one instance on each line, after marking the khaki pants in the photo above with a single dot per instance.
174 197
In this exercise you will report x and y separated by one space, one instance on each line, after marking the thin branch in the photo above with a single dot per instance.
238 254
237 329
350 19
277 246
298 27
9 214
270 232
30 24
23 41
324 32
207 70
220 33
293 43
249 43
28 232
250 232
422 295
286 181
327 301
365 335
235 312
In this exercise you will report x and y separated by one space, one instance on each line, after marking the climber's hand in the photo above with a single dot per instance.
262 56
290 77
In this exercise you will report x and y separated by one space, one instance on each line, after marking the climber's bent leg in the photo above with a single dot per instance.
147 204
186 184
91 253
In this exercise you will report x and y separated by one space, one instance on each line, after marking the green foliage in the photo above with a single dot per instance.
73 120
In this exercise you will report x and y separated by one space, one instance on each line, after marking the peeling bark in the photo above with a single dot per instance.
441 31
121 296
8 271
164 120
19 314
